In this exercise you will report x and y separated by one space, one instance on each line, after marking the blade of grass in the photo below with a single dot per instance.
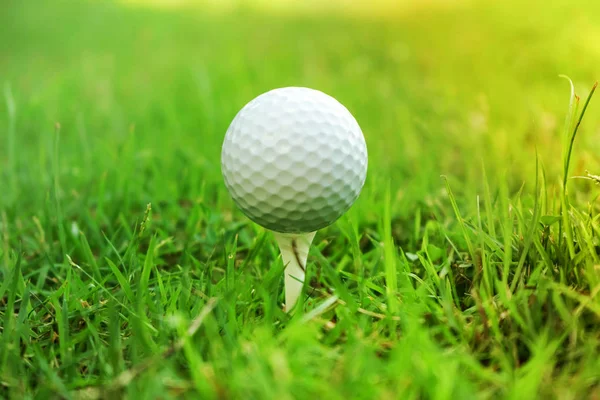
459 218
389 256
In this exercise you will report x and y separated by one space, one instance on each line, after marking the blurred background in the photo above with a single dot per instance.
145 90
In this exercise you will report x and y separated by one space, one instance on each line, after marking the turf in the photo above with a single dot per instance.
468 268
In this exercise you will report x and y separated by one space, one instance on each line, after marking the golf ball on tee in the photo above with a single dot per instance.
294 160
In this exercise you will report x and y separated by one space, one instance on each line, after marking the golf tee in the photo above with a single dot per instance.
294 252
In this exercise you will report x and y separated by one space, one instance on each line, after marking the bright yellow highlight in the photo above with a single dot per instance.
347 7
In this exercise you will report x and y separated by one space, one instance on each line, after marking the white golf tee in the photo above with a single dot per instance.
294 252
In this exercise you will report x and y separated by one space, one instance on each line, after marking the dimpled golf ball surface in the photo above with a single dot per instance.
294 160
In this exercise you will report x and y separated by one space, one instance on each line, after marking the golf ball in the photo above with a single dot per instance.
294 160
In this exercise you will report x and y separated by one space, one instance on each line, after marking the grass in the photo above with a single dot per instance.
126 270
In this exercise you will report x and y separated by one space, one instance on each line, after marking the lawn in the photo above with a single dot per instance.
468 268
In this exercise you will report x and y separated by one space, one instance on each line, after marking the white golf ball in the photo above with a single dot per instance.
294 160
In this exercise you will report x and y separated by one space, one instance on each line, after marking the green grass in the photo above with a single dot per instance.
469 267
